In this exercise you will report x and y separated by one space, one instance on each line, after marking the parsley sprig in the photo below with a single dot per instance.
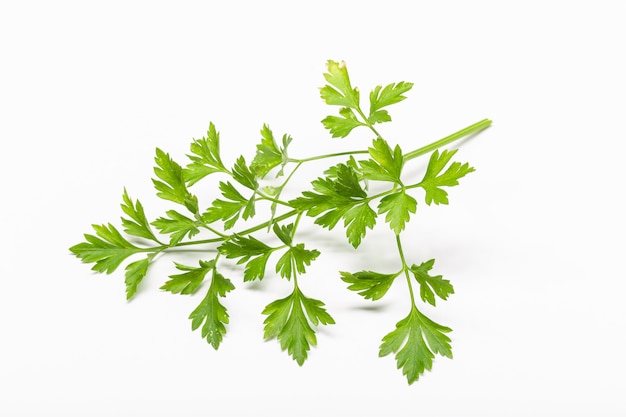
341 195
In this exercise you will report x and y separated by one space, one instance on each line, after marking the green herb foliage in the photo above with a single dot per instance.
339 196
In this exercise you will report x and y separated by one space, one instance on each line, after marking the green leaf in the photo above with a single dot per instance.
255 268
137 225
385 165
210 313
298 257
333 171
357 219
339 196
331 193
288 321
431 285
250 250
347 184
398 207
243 175
379 116
340 127
205 157
107 249
382 97
135 273
177 225
231 209
284 233
315 311
278 314
189 281
243 247
268 154
371 285
339 91
415 341
172 184
434 180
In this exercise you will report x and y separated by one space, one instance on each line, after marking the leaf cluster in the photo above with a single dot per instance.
340 92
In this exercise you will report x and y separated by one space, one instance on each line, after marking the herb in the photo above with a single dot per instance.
340 196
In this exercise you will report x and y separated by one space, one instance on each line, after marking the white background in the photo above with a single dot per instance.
533 240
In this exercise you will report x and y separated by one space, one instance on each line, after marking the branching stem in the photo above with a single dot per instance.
405 268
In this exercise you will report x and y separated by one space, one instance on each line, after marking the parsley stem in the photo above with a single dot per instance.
405 268
295 224
243 232
264 224
293 171
272 199
476 127
330 155
282 186
209 228
367 122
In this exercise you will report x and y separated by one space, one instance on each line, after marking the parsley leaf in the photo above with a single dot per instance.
205 157
172 186
288 321
137 225
189 281
431 285
339 197
333 171
415 341
211 312
357 220
385 165
339 91
268 154
369 284
340 127
232 208
243 175
178 225
382 97
433 181
135 273
284 233
251 250
398 207
107 249
295 257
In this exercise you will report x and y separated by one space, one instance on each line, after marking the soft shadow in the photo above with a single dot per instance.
255 286
373 307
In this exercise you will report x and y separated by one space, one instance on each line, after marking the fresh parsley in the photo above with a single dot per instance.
272 245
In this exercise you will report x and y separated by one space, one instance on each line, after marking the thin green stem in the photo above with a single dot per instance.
220 234
295 274
330 155
293 171
280 190
243 232
272 199
295 225
282 186
405 268
264 224
367 122
382 194
476 127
